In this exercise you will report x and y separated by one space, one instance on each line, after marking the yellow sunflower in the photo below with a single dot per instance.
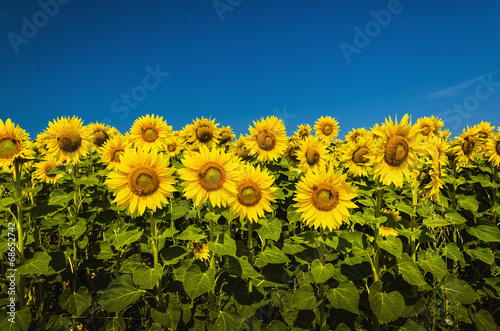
149 133
326 128
267 141
142 180
485 130
100 133
395 154
444 134
226 135
438 123
387 231
209 174
68 140
254 194
291 151
355 156
14 143
438 148
433 187
466 150
112 149
355 134
303 131
204 132
391 214
173 146
311 154
40 143
323 198
426 127
43 168
200 250
493 150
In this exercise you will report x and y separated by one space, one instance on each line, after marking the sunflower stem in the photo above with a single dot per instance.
376 248
414 203
153 229
211 294
322 320
20 230
494 198
250 249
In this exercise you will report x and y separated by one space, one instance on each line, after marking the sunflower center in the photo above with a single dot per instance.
144 181
242 151
204 134
325 197
8 147
266 140
327 130
116 155
48 168
172 147
249 194
426 130
468 145
359 155
69 140
312 157
483 134
303 133
150 134
225 137
100 137
497 148
212 176
396 150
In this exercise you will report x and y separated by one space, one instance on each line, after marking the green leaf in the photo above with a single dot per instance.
105 251
58 322
401 206
120 293
22 320
90 180
180 208
481 253
192 232
75 302
38 264
486 233
304 299
126 236
240 267
387 306
224 245
116 324
410 271
171 316
197 282
73 231
455 218
321 273
435 265
452 251
146 277
410 325
458 290
391 244
345 296
435 221
227 321
269 228
60 198
484 321
468 202
273 254
173 254
42 210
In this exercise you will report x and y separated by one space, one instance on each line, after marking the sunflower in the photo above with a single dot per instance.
355 156
395 154
226 135
112 149
204 132
438 123
433 187
43 168
467 148
311 154
173 146
426 127
493 150
200 250
485 130
444 134
68 140
14 143
142 179
323 198
100 133
254 194
355 134
40 143
438 148
387 231
393 214
291 151
268 139
209 174
149 133
326 128
303 131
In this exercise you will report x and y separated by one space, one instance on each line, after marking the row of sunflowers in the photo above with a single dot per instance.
195 228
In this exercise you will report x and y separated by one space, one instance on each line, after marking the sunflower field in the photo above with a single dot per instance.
392 228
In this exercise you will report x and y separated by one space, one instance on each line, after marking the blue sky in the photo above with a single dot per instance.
241 60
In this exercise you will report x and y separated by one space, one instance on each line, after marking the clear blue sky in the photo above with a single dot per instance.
240 60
